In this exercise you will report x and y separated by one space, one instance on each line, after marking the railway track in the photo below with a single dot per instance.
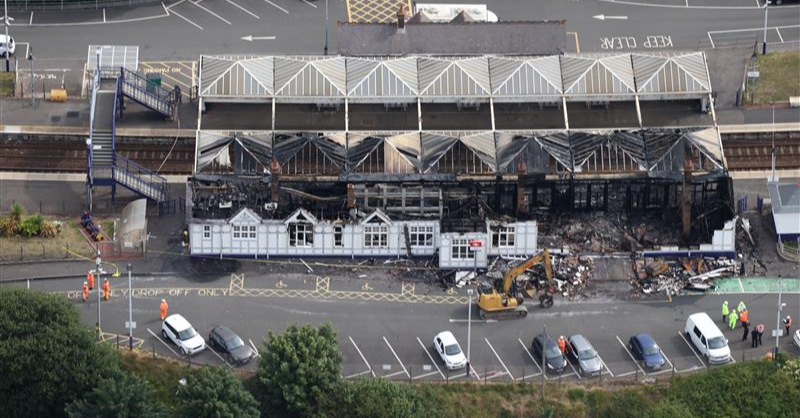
743 151
70 157
753 151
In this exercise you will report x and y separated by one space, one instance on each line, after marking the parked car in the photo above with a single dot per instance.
226 341
11 45
644 348
178 330
553 358
797 338
582 352
446 345
707 338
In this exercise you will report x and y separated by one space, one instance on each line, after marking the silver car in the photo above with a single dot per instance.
582 353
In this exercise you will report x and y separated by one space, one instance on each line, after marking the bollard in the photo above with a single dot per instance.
673 372
637 374
410 372
447 375
118 342
523 374
485 375
66 253
154 348
42 251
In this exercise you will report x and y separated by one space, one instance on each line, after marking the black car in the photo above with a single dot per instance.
236 351
554 360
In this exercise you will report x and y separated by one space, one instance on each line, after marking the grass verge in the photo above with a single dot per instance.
7 81
37 248
779 73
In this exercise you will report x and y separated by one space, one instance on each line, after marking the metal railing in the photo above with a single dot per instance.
140 179
148 93
92 108
55 5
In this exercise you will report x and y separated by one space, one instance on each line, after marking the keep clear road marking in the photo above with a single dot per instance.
499 359
362 356
278 7
632 357
162 342
244 10
692 348
431 358
397 357
310 4
219 356
532 359
197 3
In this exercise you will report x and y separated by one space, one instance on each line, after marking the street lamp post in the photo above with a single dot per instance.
469 329
97 275
30 58
778 329
8 44
130 308
326 28
766 16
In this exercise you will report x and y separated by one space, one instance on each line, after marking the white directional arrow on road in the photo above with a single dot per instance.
604 17
251 38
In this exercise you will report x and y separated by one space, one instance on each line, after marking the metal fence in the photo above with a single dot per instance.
54 5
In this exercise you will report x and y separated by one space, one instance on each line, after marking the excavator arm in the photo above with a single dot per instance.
508 278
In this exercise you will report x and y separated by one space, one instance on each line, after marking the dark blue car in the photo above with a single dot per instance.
644 348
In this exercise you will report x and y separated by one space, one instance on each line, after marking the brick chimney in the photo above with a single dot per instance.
401 20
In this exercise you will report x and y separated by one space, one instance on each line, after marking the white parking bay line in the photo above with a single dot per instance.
603 362
278 7
499 359
357 374
172 12
667 359
310 4
396 356
197 3
632 357
362 356
255 350
162 342
430 357
394 374
244 10
219 356
424 375
779 36
574 371
692 348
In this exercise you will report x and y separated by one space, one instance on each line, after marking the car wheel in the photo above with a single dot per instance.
164 334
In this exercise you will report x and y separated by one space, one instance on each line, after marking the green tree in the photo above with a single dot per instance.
123 396
48 358
298 369
215 392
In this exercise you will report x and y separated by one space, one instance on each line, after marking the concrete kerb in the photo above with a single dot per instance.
72 276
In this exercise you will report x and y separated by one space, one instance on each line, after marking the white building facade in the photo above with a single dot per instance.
303 235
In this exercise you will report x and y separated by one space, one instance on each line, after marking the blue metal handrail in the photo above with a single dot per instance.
90 146
148 87
114 123
141 175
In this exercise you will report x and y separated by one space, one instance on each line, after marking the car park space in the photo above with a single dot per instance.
354 364
381 358
682 354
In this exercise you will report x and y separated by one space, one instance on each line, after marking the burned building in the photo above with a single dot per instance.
455 155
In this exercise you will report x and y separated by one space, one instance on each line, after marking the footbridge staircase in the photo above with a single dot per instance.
104 166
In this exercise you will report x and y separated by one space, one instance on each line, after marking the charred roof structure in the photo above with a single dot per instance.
460 139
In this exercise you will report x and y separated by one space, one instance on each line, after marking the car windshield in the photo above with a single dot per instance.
651 350
452 350
234 343
187 333
587 354
717 342
552 351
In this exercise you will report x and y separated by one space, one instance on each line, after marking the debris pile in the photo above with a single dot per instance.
572 274
671 276
603 233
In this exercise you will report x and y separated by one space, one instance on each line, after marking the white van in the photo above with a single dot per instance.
708 339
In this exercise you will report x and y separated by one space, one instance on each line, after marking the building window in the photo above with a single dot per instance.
206 231
376 236
244 232
503 236
338 234
460 250
301 234
421 236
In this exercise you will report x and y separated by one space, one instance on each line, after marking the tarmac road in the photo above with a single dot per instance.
184 30
393 338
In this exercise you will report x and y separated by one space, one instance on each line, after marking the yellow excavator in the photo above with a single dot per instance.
502 299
